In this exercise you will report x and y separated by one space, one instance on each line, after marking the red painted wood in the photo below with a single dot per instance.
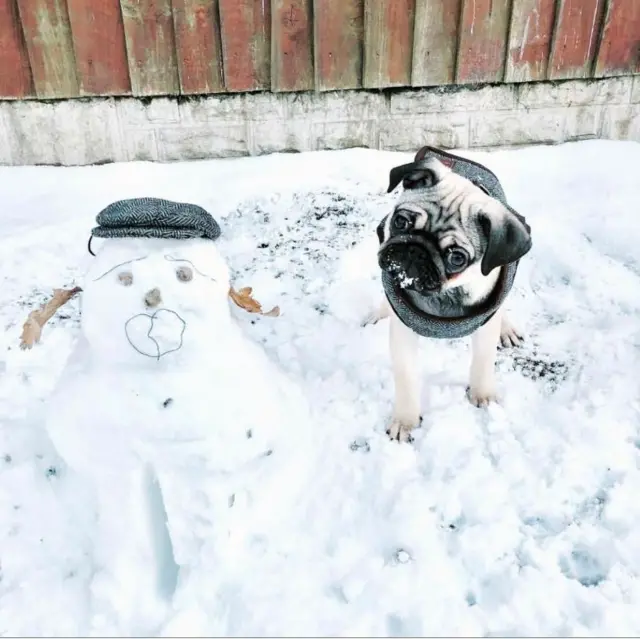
50 47
291 45
530 40
246 44
388 42
435 42
198 45
619 51
99 45
483 41
338 35
15 72
148 28
575 39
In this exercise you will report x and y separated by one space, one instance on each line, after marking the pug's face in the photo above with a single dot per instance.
445 231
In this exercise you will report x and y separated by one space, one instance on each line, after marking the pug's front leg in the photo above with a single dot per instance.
482 377
403 346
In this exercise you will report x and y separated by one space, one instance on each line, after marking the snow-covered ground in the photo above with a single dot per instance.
519 520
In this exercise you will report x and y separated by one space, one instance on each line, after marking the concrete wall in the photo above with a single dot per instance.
86 131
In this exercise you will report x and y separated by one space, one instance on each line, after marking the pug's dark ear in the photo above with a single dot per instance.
508 239
380 230
396 175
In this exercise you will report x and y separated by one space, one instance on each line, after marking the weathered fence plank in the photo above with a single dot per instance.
15 72
483 41
619 51
291 45
388 42
50 47
99 47
246 44
435 42
337 38
198 46
148 28
575 39
529 40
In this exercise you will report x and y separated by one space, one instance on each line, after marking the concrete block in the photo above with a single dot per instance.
281 136
265 106
344 134
452 99
223 108
5 142
141 145
201 142
574 93
67 132
535 126
635 91
448 131
336 106
155 111
621 123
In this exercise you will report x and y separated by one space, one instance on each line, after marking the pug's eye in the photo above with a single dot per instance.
420 179
184 274
401 223
456 259
125 278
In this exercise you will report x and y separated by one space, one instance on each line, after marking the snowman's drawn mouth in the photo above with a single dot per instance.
157 334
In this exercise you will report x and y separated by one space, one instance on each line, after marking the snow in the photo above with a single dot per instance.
518 520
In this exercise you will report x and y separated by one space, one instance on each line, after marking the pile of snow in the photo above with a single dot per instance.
517 520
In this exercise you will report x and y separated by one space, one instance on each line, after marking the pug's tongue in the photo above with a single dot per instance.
155 334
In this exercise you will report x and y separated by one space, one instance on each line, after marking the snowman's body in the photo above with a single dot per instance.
166 407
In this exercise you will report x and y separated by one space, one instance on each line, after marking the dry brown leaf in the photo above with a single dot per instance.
32 328
245 300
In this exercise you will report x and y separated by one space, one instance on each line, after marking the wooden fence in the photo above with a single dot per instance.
71 48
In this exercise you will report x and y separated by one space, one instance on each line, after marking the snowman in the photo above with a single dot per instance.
169 412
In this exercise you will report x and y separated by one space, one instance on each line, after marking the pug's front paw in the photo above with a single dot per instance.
510 336
401 430
482 397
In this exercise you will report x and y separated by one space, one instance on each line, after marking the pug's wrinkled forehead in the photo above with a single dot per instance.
431 181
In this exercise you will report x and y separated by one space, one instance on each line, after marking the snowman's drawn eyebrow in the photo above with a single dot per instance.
136 259
173 258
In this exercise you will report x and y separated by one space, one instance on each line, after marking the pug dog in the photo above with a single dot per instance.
448 254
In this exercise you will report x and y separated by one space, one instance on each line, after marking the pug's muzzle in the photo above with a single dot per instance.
412 261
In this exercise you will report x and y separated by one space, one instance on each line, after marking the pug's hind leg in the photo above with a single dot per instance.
510 336
403 346
482 377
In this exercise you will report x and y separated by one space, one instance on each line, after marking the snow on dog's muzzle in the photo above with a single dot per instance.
410 263
155 334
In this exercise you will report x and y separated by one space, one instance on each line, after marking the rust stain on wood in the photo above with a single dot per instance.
619 51
575 39
483 41
291 45
338 46
148 27
198 45
99 46
530 40
388 42
246 44
50 47
435 42
15 72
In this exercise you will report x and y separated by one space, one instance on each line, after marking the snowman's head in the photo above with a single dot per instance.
148 297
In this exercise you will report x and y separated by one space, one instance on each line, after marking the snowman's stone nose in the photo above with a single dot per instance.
153 298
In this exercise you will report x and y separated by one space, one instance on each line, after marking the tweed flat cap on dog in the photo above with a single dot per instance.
155 218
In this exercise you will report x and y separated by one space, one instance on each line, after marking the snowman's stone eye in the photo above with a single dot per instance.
184 274
126 278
